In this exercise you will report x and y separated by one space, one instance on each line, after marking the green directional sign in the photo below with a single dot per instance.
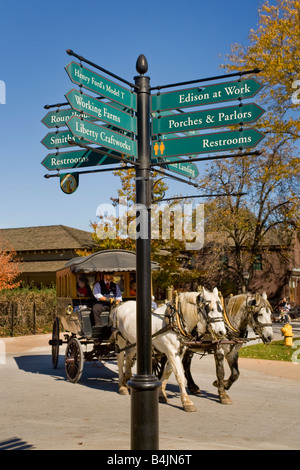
182 167
206 143
78 159
100 135
98 84
59 117
57 140
101 111
217 117
203 95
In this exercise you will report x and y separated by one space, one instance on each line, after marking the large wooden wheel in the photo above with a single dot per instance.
158 365
74 360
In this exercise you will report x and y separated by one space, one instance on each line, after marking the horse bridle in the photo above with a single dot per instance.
254 314
204 305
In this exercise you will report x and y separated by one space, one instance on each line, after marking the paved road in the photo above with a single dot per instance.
40 410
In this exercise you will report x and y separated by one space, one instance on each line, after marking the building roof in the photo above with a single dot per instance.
51 237
32 267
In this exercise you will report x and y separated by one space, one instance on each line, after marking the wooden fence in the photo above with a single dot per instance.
27 315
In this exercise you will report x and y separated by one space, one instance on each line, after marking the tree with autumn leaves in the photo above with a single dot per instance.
271 179
9 266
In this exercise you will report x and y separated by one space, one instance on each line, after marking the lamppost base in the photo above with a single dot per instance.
144 412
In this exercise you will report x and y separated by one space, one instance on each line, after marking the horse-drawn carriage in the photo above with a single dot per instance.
192 322
75 300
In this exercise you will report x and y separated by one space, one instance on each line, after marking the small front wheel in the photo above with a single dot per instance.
74 360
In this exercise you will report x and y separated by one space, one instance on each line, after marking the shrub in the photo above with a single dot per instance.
27 311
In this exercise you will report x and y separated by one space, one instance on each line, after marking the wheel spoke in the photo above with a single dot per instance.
74 360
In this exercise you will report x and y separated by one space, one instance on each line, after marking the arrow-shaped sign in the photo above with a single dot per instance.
59 117
100 85
181 166
217 117
209 94
206 143
78 159
101 111
100 135
56 140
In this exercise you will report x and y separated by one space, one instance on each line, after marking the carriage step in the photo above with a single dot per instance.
54 342
99 332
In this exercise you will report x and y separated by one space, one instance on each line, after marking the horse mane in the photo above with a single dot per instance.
235 303
188 297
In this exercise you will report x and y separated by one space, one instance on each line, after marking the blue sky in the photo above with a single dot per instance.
181 41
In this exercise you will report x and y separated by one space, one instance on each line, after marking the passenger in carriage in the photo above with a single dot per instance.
82 287
105 291
133 288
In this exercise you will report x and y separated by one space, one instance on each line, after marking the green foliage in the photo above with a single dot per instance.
31 311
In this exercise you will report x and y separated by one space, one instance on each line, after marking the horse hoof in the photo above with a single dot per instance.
195 391
225 400
215 383
163 399
123 391
189 408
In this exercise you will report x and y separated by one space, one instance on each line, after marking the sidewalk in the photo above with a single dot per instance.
20 344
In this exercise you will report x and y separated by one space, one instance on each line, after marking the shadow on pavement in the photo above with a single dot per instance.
15 444
95 374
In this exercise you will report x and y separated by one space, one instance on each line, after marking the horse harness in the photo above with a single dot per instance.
252 312
175 321
202 305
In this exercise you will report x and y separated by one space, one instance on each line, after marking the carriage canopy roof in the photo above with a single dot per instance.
106 261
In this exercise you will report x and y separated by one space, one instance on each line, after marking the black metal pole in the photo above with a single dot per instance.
144 385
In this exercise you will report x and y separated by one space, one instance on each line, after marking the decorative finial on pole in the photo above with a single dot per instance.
141 64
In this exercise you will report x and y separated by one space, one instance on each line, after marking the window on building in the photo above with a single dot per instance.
224 262
257 265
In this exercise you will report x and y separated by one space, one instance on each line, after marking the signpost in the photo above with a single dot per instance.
98 84
101 111
144 154
209 94
100 135
216 117
206 143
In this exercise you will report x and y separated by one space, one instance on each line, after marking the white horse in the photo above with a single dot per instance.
242 310
195 309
